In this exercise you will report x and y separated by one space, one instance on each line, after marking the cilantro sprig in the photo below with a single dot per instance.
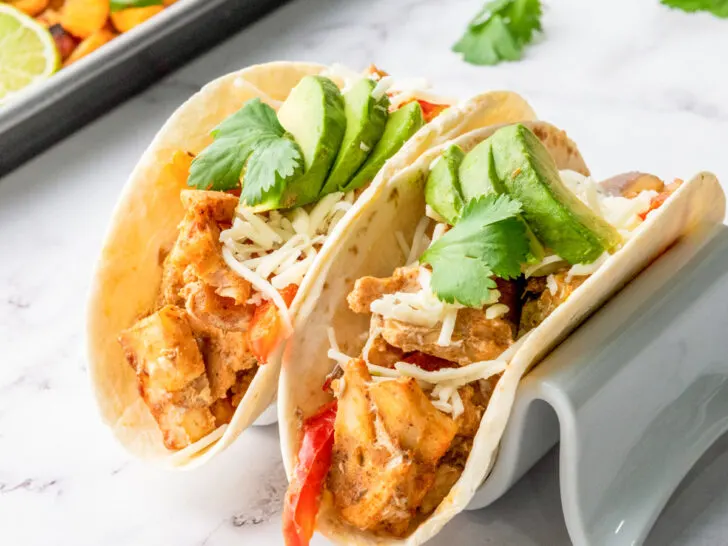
500 31
488 240
118 5
254 140
719 8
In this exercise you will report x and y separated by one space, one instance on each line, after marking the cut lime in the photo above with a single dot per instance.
28 53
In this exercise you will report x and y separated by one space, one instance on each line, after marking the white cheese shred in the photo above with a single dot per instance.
458 408
496 310
403 246
448 326
417 240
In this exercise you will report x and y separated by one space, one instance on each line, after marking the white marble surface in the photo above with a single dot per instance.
637 86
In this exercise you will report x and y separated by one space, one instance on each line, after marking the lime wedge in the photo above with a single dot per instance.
28 53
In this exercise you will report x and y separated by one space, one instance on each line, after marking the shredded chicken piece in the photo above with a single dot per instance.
382 465
171 373
474 338
215 311
197 253
225 354
368 289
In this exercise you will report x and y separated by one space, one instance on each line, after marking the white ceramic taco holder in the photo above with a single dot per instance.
636 395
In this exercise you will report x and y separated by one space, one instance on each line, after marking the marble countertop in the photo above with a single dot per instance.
636 85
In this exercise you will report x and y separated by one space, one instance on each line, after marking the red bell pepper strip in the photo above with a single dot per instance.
266 328
304 492
660 198
431 110
428 362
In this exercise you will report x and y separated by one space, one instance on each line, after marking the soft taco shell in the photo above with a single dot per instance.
368 246
144 224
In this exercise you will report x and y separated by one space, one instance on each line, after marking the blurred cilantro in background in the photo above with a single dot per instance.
500 31
503 28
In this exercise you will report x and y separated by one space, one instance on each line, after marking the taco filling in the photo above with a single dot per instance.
506 238
264 197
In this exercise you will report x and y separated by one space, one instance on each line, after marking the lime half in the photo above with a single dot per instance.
28 53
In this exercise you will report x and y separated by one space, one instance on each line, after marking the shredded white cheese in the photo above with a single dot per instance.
448 326
338 356
403 246
458 408
262 285
444 407
419 240
582 270
621 212
421 308
453 376
542 266
382 87
496 310
439 231
281 247
364 148
331 333
552 285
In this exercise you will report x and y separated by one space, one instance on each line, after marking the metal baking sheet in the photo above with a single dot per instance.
78 94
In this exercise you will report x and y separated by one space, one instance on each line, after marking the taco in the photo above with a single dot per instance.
393 399
235 202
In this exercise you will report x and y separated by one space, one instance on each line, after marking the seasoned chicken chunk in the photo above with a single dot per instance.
380 470
368 289
380 352
632 183
225 353
215 311
162 348
197 253
171 374
474 338
541 302
411 420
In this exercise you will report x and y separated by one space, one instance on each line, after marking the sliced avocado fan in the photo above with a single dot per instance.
401 125
528 173
366 118
478 177
314 115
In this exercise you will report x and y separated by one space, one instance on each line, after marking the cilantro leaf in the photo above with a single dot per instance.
488 240
252 139
274 161
118 5
718 8
500 31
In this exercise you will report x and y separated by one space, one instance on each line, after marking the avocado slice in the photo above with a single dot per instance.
558 218
442 190
365 121
313 114
477 173
400 127
478 177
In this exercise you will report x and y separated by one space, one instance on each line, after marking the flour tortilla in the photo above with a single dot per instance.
145 222
368 246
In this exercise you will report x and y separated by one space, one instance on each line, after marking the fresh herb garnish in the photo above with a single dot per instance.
253 139
118 5
718 8
500 31
488 240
